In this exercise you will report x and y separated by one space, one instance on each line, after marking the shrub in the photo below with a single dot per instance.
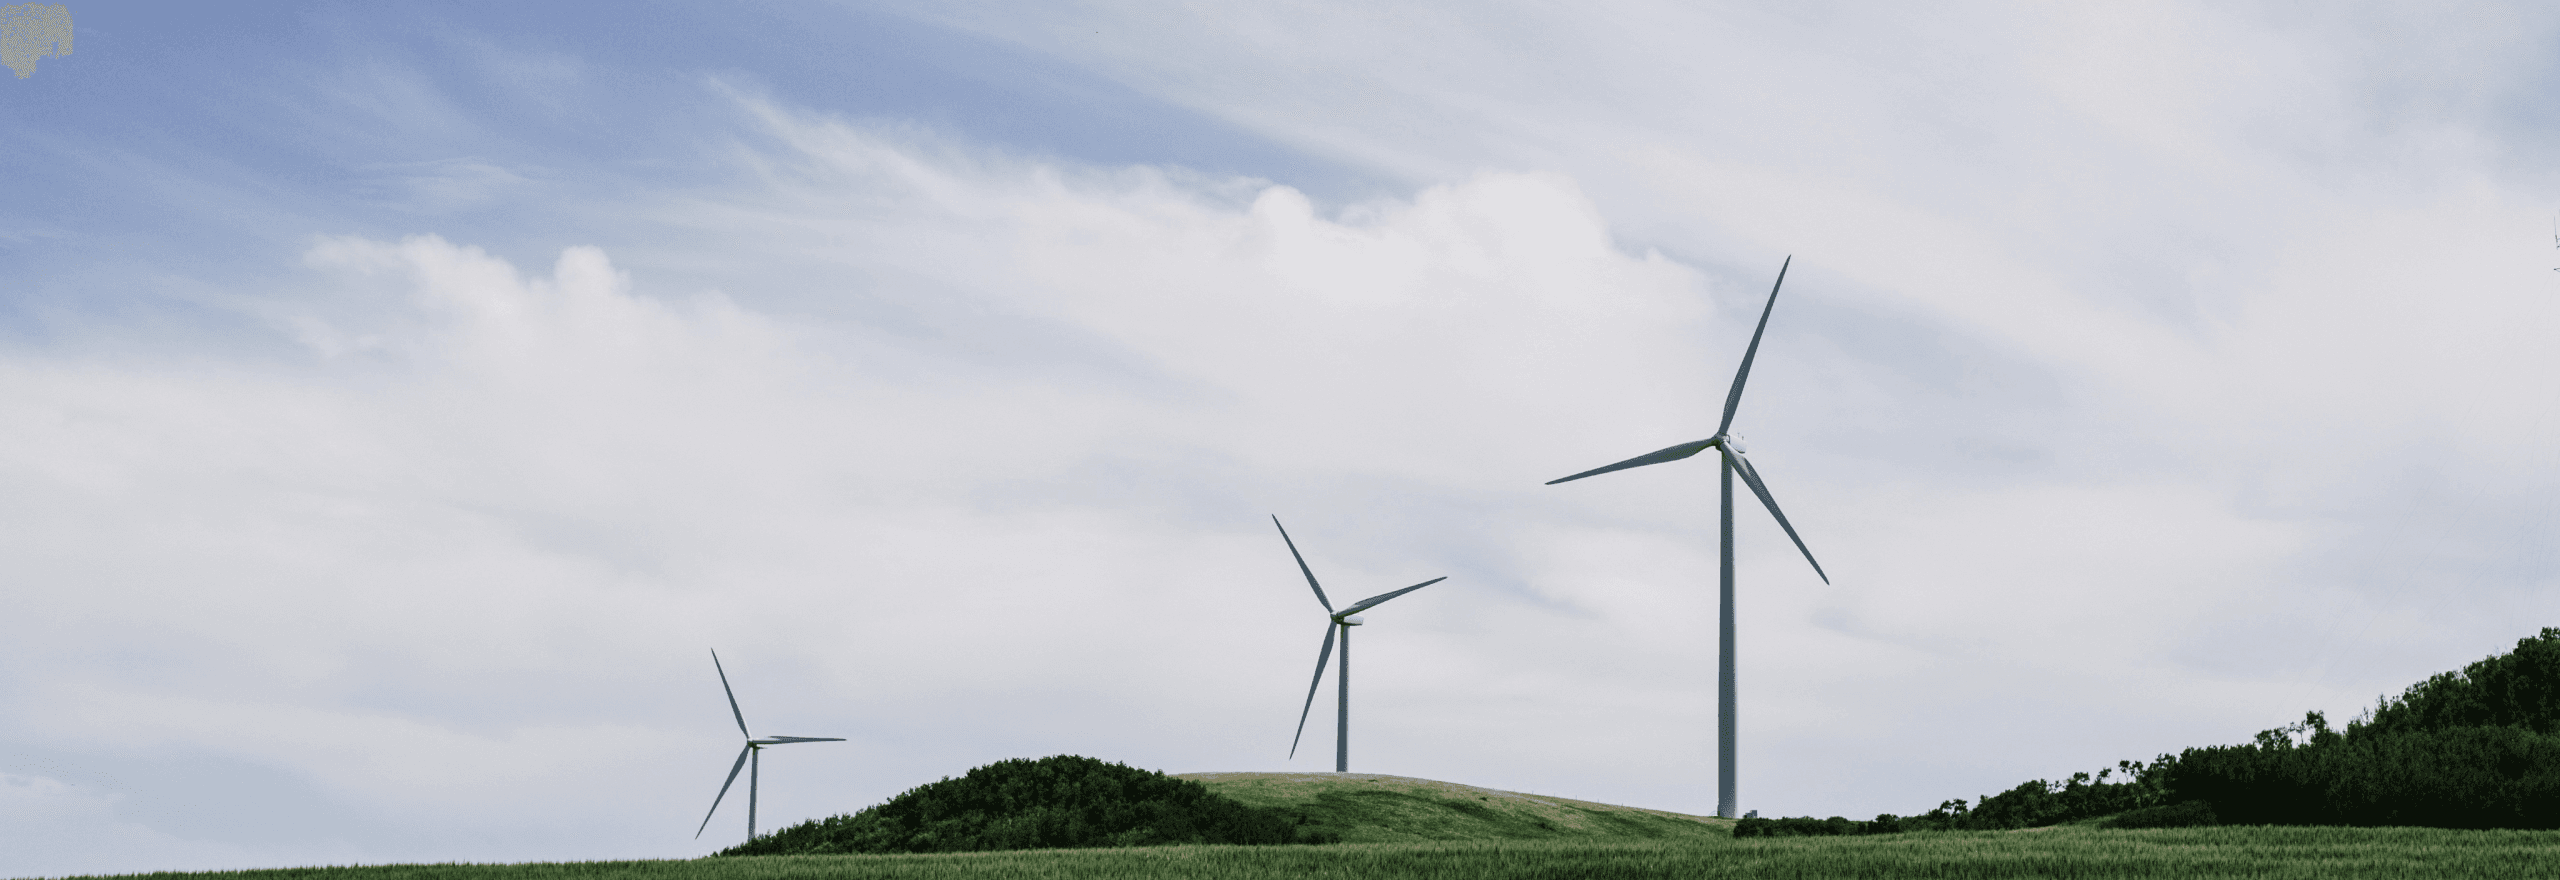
2479 748
2037 803
1060 802
1795 826
2520 688
2464 777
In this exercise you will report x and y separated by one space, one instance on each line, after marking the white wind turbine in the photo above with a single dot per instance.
1340 622
751 757
1730 449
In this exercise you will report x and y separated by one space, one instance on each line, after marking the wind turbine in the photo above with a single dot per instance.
752 756
1341 621
1729 448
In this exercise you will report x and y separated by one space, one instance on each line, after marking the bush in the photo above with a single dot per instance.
2479 748
2516 689
2037 803
2465 777
1059 802
1795 826
2187 815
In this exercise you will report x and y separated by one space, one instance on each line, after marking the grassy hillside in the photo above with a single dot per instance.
1369 808
2066 851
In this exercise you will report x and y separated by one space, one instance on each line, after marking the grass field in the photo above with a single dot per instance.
2076 852
1368 808
1416 828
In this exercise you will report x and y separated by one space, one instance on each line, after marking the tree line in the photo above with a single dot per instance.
2474 748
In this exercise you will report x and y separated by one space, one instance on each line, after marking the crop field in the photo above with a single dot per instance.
1372 808
1401 827
2067 852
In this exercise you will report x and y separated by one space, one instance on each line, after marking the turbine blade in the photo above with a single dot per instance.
733 696
1366 604
1302 566
779 740
1322 654
1751 477
1658 456
724 789
1733 399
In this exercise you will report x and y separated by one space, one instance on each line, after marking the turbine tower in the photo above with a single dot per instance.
1729 447
751 757
1339 621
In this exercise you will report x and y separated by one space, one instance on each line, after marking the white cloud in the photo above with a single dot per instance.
444 186
2294 263
484 513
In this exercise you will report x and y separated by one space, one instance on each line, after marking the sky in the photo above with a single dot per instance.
398 403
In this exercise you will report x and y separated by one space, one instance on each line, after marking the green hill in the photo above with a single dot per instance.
1057 802
1369 808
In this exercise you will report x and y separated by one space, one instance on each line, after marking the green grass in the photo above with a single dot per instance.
1368 808
1416 828
2057 852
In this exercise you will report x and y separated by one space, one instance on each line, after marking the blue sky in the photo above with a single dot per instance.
400 401
213 132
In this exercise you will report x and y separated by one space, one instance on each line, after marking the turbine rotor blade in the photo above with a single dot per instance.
724 789
733 696
1366 604
1733 399
1302 566
781 740
1658 456
1322 654
1751 477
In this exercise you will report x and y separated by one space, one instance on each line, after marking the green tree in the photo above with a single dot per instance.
1059 802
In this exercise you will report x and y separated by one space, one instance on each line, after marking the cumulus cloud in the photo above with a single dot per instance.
2273 257
472 533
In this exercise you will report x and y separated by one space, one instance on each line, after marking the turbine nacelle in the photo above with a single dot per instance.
786 740
1348 620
